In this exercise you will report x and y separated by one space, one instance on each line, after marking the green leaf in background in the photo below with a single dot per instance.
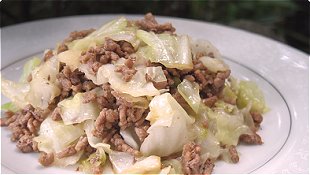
9 107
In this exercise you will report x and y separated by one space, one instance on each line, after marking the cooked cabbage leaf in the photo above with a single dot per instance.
73 110
93 141
54 136
148 165
29 66
136 87
171 51
229 127
214 64
41 93
250 93
71 58
16 92
171 127
95 160
202 48
190 92
121 161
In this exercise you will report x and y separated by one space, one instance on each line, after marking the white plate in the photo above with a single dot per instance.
280 71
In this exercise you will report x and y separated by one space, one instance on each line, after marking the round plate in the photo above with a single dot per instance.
280 71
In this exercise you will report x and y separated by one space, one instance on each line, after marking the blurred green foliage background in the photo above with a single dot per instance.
283 20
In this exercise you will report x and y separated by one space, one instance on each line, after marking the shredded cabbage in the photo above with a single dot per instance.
171 51
190 92
170 129
95 160
73 110
16 92
121 161
93 141
148 165
176 166
204 47
41 93
250 93
28 68
214 64
71 58
54 136
130 137
229 127
136 87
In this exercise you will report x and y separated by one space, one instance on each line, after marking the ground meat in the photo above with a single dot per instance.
73 36
233 154
69 151
210 101
72 82
121 145
178 97
127 70
56 114
89 96
141 131
191 161
207 167
24 125
251 139
106 123
78 35
157 85
81 144
106 100
106 53
26 144
46 159
257 118
47 55
129 116
150 24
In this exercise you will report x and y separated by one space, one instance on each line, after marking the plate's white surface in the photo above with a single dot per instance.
281 72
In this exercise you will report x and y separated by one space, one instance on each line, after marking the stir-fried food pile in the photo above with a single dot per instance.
132 97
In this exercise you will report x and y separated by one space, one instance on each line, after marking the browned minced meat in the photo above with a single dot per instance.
24 126
251 139
47 55
141 130
106 100
46 159
89 96
73 82
157 85
121 145
150 24
69 151
81 144
129 116
210 84
210 101
191 161
56 114
26 144
257 118
74 148
106 53
73 36
127 70
106 124
233 154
